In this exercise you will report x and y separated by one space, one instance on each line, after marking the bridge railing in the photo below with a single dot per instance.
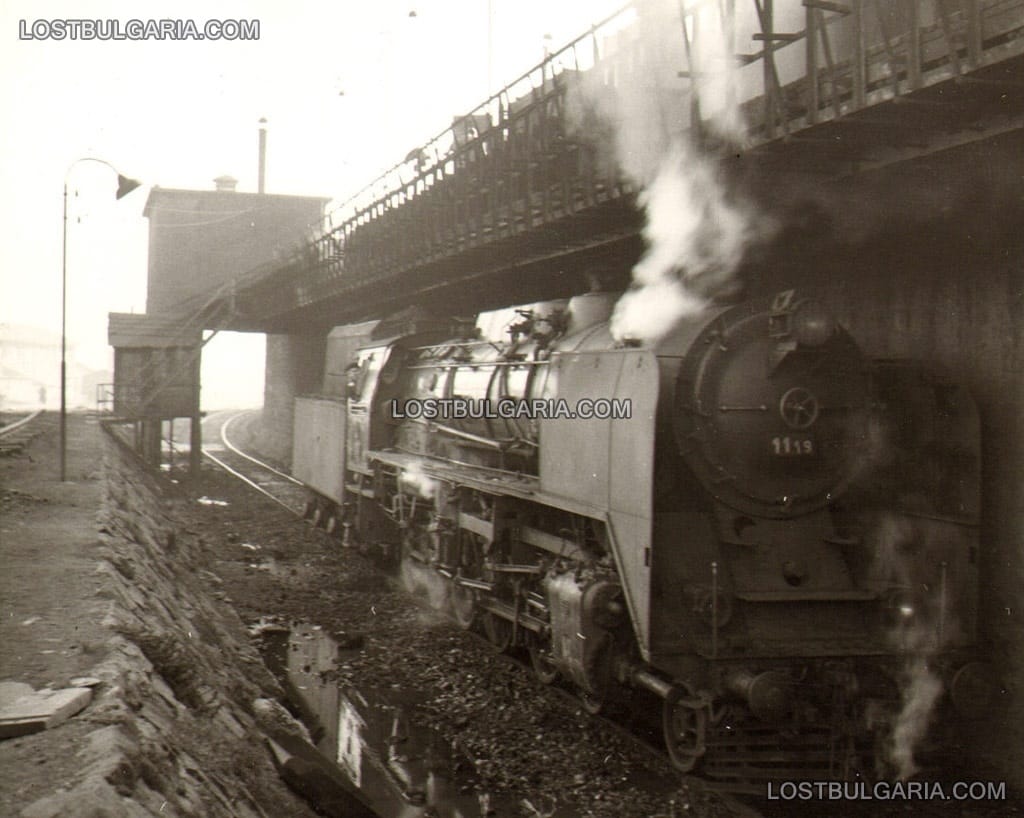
836 58
518 160
537 151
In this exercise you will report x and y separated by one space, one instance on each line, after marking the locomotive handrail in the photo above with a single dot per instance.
496 444
431 463
501 444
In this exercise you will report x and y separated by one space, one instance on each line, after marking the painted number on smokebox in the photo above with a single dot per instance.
786 446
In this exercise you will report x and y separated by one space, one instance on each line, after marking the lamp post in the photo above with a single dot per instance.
125 185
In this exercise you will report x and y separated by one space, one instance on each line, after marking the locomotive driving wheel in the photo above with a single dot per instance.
463 602
470 561
684 723
498 631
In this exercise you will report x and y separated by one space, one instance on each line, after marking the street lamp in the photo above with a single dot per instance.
125 185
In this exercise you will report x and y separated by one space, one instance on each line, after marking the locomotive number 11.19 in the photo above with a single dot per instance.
786 446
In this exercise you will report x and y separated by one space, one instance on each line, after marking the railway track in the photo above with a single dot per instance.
15 434
272 483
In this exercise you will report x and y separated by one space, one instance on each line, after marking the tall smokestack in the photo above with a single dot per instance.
261 185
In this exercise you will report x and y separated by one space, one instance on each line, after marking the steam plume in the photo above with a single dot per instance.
415 478
920 692
696 232
696 238
905 551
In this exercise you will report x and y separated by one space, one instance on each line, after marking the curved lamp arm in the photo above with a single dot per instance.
125 184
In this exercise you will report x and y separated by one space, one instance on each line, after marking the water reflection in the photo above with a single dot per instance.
400 769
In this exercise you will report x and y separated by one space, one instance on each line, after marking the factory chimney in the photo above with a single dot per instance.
261 186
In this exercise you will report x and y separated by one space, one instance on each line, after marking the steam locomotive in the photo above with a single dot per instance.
748 519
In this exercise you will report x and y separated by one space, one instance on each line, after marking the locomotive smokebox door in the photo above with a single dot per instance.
771 409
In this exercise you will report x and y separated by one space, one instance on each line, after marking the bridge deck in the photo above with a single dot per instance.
520 189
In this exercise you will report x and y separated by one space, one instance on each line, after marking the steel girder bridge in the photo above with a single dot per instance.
515 201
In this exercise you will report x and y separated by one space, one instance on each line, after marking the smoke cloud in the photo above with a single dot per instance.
696 238
423 582
696 229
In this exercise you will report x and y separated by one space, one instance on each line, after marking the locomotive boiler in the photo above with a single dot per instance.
749 519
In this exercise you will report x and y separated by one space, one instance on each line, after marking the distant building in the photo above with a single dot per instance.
201 238
198 240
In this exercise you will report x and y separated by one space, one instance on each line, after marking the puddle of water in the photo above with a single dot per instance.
209 501
401 769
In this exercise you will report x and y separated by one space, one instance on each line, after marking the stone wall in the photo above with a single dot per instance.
177 717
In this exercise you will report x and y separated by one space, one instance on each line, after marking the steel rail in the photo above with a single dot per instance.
240 453
10 427
249 482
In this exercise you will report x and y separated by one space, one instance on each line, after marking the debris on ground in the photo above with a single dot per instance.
24 710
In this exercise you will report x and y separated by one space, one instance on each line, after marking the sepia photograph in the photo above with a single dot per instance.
466 408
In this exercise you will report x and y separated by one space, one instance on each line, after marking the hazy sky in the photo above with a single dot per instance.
348 88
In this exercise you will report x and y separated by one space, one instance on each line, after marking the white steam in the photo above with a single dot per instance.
651 310
696 232
908 553
415 478
920 692
424 582
716 73
696 238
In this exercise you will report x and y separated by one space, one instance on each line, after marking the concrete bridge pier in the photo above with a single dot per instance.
295 366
